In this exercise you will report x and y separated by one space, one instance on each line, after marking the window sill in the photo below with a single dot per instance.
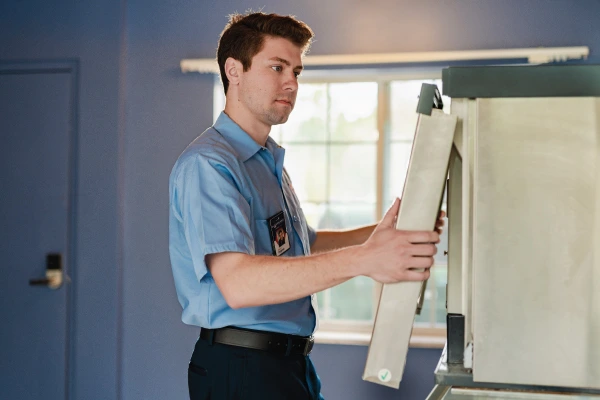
417 340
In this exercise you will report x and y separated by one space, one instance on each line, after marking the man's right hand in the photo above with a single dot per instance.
391 255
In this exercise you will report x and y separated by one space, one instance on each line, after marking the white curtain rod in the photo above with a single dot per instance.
536 55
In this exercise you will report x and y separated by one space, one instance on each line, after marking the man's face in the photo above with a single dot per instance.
269 88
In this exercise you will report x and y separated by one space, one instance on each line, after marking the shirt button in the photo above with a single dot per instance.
295 218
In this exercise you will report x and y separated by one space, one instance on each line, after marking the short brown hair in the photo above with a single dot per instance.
243 37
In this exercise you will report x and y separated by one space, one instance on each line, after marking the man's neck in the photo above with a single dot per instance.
257 130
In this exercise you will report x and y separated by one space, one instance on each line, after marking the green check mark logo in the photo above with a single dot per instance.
385 375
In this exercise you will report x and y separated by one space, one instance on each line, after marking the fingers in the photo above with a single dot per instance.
420 263
389 220
400 255
423 250
417 275
420 236
439 224
390 215
409 275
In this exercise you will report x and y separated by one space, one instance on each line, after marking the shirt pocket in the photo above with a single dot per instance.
262 238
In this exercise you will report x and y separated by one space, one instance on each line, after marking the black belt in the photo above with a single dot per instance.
272 342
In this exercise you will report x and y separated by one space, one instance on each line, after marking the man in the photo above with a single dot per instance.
229 198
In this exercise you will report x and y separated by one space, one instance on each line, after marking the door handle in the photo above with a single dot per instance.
54 272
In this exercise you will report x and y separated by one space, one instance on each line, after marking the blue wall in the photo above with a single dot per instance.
137 112
340 369
90 33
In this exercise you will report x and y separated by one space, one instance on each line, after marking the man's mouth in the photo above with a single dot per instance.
285 102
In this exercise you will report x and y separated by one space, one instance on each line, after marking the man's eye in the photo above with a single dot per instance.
277 68
296 74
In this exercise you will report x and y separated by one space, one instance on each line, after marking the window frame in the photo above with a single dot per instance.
350 332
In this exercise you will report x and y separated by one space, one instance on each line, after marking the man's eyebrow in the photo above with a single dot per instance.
284 61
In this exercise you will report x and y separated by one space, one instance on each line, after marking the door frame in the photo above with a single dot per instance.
71 67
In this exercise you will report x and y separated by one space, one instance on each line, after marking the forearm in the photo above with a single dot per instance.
388 255
331 240
247 281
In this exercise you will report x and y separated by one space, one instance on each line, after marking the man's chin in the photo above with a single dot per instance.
278 119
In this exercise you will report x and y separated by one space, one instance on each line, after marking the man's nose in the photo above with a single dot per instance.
291 82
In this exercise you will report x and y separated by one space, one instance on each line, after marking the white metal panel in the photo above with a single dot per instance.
454 293
447 393
536 242
454 209
422 194
468 150
460 215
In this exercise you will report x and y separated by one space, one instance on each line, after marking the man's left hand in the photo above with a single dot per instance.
439 224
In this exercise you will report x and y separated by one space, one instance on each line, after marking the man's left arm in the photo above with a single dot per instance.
331 240
328 240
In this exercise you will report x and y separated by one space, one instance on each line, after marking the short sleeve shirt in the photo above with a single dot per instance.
224 188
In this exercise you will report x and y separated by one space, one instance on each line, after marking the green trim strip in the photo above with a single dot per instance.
522 81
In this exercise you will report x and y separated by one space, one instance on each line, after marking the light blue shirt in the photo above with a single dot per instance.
223 189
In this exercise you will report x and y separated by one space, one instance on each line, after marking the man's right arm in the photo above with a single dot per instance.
387 256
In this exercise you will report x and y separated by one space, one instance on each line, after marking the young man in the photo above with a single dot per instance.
230 201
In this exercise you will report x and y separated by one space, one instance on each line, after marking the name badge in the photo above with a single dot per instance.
280 241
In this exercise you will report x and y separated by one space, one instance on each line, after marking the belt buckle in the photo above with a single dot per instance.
309 345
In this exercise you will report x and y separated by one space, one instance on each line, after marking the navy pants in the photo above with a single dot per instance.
223 372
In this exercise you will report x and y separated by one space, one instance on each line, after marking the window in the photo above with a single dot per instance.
348 143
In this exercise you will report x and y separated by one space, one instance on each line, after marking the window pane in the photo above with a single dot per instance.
307 167
404 98
313 212
434 306
353 299
323 305
425 318
331 156
353 173
218 98
343 216
353 111
335 177
276 133
399 155
441 276
308 121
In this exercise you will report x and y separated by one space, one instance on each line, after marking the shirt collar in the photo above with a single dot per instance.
242 143
278 153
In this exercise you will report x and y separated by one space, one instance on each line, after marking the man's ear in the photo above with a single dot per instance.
233 70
